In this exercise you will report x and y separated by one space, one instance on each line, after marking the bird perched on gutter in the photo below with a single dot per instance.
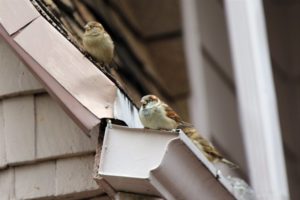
155 114
98 43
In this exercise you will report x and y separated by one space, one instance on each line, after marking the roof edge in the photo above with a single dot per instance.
85 119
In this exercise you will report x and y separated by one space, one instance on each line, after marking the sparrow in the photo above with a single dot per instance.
98 43
155 114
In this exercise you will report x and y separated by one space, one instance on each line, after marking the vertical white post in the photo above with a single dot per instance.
257 102
192 46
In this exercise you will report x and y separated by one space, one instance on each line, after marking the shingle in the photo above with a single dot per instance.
75 175
3 160
35 181
7 184
19 129
14 75
56 133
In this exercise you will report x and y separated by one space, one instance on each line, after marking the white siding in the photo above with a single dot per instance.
35 181
56 133
57 179
14 76
3 160
213 99
192 44
7 184
19 129
75 175
224 119
214 36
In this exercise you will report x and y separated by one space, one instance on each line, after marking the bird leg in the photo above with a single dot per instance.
175 130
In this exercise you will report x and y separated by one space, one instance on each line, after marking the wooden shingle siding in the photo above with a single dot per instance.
223 117
75 175
19 129
35 181
219 86
56 134
14 76
36 128
67 178
214 35
7 184
3 160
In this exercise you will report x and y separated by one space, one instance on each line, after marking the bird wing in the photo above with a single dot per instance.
211 153
171 113
108 38
208 149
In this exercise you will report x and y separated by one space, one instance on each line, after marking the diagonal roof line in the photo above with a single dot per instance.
85 119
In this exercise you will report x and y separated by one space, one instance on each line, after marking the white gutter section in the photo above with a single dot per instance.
159 163
125 111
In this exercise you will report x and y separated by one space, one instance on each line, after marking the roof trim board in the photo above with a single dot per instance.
85 93
65 63
81 116
15 14
104 95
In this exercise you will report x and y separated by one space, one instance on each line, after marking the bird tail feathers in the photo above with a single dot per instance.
229 163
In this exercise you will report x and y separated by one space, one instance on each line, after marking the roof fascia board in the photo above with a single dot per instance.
15 14
81 116
69 67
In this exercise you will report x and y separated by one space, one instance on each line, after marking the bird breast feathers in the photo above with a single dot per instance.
156 117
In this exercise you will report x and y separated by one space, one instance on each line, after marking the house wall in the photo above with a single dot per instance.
43 153
222 110
283 34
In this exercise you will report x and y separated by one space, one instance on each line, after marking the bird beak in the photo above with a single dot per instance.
86 27
143 103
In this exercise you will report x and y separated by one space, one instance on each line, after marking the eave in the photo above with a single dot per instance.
85 93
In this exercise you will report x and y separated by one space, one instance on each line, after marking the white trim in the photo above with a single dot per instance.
257 102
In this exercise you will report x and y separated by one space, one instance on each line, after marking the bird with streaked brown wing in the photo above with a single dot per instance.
155 114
